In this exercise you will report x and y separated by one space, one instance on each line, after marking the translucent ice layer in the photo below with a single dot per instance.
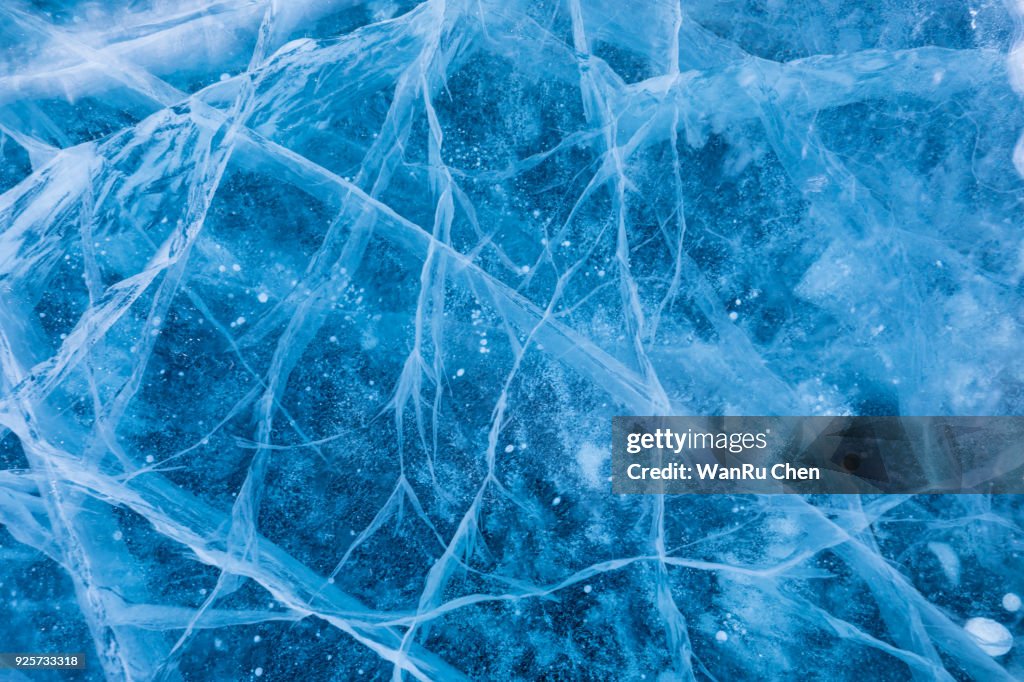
314 316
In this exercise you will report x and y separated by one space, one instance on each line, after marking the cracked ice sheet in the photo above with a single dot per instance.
313 317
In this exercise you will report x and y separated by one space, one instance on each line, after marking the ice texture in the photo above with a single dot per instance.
314 314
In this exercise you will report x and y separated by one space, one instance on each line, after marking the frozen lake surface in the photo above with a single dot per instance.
314 316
